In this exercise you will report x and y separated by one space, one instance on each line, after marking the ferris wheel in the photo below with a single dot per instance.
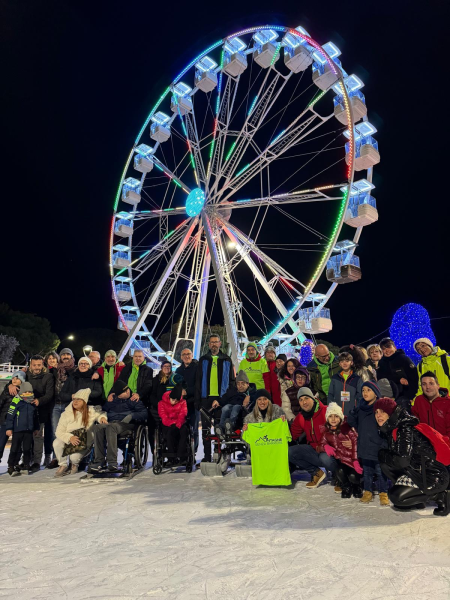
240 196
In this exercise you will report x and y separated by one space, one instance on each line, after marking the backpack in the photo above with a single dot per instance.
440 443
444 363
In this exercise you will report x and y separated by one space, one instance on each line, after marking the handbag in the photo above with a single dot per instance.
82 446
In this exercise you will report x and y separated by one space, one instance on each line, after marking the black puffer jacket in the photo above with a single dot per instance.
397 366
411 452
80 381
44 390
5 403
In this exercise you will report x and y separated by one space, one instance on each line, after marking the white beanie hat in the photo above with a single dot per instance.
424 341
82 395
86 359
334 409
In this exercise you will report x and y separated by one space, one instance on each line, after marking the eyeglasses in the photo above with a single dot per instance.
83 364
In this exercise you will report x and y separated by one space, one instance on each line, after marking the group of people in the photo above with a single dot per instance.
370 417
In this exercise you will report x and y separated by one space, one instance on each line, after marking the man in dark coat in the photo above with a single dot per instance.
138 376
215 375
43 385
399 368
188 370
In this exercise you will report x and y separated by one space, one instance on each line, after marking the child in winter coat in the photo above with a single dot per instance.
5 402
340 440
22 420
362 418
173 412
345 386
236 398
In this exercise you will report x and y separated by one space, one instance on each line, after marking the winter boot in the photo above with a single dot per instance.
384 500
47 460
443 504
337 488
62 470
316 479
367 497
52 464
357 491
346 492
73 470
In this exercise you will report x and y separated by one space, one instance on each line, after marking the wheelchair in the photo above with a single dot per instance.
134 446
160 452
224 450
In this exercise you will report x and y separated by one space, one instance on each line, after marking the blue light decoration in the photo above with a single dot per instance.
410 323
195 202
306 352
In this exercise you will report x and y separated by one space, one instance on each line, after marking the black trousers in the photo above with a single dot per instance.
176 440
206 426
22 442
346 475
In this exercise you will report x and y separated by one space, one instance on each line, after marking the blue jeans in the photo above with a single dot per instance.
305 458
3 440
56 415
194 420
231 412
371 468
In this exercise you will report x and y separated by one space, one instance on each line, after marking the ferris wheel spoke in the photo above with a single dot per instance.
154 302
259 276
190 130
292 135
177 181
259 110
293 198
272 264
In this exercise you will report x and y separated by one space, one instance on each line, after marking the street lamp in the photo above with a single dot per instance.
87 350
70 337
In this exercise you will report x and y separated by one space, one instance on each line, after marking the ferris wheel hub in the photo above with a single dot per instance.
195 202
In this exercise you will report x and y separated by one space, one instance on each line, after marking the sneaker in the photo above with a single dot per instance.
25 469
47 460
95 468
346 493
384 500
52 464
15 472
73 470
228 428
35 467
337 489
62 470
316 479
113 469
366 497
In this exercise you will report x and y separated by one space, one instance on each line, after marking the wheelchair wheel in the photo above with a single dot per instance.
157 458
141 447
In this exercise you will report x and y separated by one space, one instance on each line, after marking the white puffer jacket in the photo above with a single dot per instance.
68 423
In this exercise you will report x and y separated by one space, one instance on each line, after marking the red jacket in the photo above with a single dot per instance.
310 426
333 439
272 384
172 414
435 413
117 371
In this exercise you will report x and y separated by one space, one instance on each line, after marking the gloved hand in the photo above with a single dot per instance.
329 450
357 467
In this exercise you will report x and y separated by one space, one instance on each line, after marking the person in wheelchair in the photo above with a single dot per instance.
173 412
240 397
123 416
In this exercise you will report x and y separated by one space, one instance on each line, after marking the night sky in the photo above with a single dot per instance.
79 80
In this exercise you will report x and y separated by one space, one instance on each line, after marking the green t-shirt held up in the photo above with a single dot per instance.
214 378
269 451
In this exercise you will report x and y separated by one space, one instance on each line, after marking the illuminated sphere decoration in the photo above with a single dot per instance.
195 202
306 352
410 323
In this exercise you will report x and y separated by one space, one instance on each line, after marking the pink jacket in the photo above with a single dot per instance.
172 414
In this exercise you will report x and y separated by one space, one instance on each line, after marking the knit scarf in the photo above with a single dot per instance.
132 380
109 373
63 367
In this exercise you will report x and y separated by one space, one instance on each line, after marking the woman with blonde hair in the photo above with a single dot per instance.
74 436
375 353
265 411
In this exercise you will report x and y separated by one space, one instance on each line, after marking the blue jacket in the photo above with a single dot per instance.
362 418
22 416
120 408
234 397
225 375
338 384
